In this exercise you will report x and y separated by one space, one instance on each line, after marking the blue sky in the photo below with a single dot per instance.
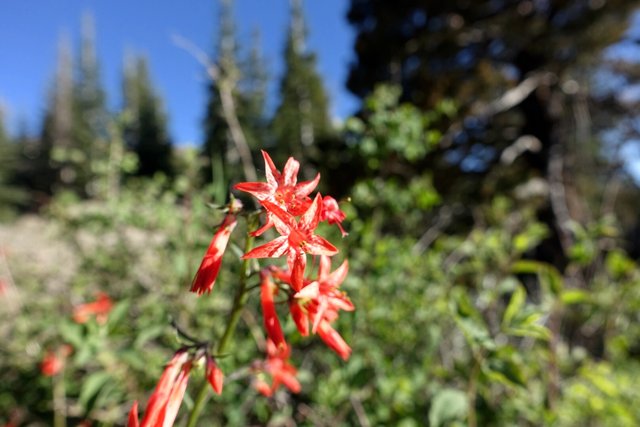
30 30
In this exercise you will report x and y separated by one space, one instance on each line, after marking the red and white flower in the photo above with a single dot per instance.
207 273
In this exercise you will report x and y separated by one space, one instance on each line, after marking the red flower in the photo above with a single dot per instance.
322 298
271 323
320 301
165 401
297 238
332 214
278 368
100 308
214 375
209 268
298 313
281 189
53 362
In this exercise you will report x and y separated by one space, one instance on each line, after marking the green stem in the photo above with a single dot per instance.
242 295
471 394
59 404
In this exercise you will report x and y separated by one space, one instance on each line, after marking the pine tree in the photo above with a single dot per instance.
513 69
475 53
48 162
252 95
89 128
302 116
11 196
145 131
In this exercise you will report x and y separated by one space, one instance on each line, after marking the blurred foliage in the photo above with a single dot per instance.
454 326
452 203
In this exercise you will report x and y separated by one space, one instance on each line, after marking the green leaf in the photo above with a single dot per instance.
515 305
534 331
448 405
503 369
92 385
72 333
118 312
618 264
574 296
549 276
148 334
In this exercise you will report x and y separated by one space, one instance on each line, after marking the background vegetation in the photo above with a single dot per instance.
493 227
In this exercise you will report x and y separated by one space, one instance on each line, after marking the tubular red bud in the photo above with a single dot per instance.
215 376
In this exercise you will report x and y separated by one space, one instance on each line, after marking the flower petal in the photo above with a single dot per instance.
305 188
299 317
310 291
333 339
290 172
338 275
270 170
317 245
297 270
263 388
309 220
273 249
133 416
270 316
260 190
324 268
156 407
177 395
290 381
214 375
287 219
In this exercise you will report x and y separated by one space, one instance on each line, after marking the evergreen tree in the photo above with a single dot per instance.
72 137
252 95
302 116
509 66
474 53
146 124
11 196
89 124
49 162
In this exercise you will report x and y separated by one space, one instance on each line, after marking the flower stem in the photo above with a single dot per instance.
59 404
242 294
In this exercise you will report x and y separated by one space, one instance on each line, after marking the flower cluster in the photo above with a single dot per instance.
166 399
54 361
312 301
